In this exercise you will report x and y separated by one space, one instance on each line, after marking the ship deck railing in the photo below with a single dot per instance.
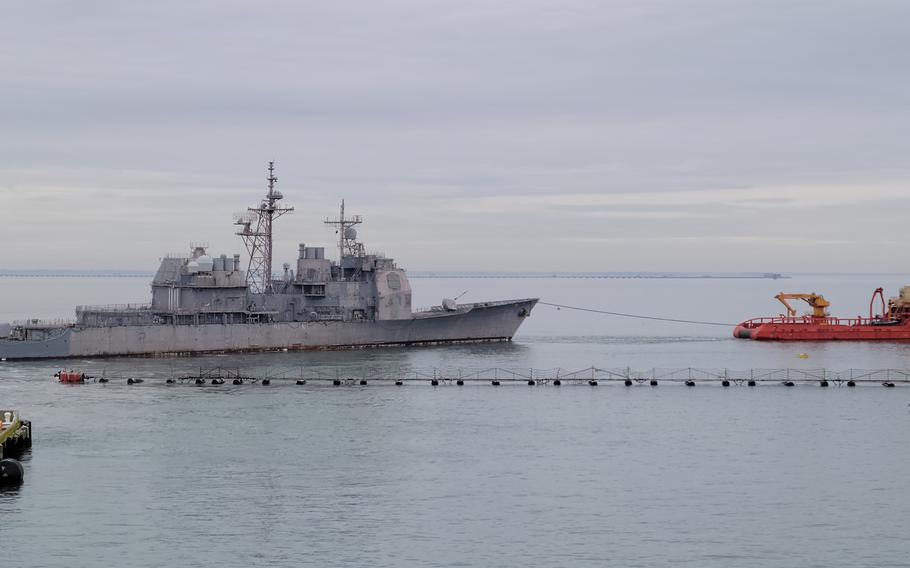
812 320
114 308
467 305
43 323
210 310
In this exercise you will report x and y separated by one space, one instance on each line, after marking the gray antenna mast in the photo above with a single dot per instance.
347 235
256 232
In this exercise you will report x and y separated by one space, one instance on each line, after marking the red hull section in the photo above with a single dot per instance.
823 329
71 377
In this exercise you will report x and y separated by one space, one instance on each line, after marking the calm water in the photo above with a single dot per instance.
246 475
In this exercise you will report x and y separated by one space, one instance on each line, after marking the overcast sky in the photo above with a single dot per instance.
472 135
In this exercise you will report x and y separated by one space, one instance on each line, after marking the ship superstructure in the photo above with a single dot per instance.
206 303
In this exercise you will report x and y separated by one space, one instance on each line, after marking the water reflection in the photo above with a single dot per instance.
9 494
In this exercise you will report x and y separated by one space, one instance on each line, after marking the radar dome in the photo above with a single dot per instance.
350 233
205 263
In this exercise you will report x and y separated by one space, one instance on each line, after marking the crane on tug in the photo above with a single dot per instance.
818 303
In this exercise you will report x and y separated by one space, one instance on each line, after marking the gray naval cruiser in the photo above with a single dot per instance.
208 304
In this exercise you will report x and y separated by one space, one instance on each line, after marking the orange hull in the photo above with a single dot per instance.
823 329
71 377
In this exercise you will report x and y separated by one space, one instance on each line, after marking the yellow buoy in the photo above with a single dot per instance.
803 355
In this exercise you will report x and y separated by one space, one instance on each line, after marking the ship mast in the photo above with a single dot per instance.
347 236
258 240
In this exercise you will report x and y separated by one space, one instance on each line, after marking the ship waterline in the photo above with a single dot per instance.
206 304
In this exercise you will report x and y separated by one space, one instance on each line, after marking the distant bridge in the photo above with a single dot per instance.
75 275
623 275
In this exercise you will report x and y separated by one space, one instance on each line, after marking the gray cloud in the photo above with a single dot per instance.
473 134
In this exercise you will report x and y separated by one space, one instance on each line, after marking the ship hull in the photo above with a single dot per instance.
812 331
493 321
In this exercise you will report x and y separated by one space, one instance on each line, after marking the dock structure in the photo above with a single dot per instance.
496 376
15 434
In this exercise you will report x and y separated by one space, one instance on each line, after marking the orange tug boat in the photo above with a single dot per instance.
70 376
893 324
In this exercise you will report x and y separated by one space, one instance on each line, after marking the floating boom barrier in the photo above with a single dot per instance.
498 376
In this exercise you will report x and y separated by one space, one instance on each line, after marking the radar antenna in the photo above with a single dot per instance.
256 232
347 235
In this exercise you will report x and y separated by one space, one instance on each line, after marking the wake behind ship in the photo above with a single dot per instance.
206 304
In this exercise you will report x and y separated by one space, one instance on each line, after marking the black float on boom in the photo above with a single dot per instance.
11 472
